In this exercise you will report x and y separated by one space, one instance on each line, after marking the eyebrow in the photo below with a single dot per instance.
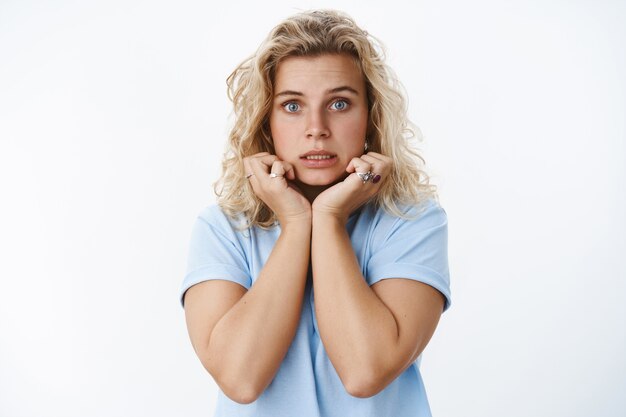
343 88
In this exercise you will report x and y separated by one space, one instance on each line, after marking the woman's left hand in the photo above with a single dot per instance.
343 198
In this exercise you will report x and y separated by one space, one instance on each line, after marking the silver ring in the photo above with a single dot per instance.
365 176
272 175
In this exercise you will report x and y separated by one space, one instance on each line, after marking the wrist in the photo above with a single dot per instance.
327 218
297 222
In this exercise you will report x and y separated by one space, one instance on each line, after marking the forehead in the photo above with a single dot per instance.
311 73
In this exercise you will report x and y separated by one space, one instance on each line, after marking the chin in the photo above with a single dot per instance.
322 180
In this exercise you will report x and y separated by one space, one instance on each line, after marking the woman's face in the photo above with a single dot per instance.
319 116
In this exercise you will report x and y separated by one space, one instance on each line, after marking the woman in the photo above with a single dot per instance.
320 276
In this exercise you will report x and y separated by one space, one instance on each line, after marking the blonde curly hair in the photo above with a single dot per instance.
251 89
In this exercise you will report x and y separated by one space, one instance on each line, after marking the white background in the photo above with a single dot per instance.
113 118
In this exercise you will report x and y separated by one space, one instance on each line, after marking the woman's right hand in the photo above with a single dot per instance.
285 200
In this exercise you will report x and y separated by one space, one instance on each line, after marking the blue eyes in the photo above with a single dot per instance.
293 107
339 105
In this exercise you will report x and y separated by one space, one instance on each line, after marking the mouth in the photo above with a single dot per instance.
316 155
318 159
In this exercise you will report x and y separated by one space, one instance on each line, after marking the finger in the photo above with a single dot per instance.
290 172
371 160
247 169
256 155
360 167
278 169
376 155
353 163
378 166
247 161
284 169
257 169
261 164
379 170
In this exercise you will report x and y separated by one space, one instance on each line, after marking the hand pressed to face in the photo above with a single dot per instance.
319 118
269 177
343 198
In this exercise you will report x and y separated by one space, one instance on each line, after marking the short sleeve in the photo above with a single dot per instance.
414 248
215 252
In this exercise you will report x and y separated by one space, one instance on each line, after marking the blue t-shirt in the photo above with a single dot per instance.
306 384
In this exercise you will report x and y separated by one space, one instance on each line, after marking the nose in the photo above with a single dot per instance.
317 126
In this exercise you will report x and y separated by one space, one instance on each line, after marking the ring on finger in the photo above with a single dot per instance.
274 175
365 176
249 175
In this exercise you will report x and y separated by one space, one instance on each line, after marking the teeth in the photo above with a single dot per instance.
319 156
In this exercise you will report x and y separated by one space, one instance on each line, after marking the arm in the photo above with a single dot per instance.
371 334
242 337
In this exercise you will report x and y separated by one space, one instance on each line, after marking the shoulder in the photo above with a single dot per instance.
214 213
427 215
426 211
421 216
214 220
412 245
214 228
214 216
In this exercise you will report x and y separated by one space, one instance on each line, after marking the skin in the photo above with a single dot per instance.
320 104
371 334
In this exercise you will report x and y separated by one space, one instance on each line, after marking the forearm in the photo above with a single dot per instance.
249 342
359 332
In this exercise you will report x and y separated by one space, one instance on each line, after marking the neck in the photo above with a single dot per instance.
311 191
